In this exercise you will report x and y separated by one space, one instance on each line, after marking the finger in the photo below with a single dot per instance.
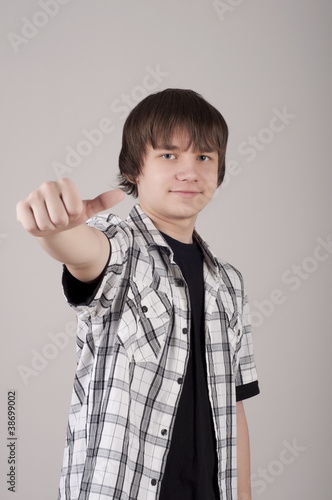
41 215
71 199
48 197
56 210
25 216
103 202
32 214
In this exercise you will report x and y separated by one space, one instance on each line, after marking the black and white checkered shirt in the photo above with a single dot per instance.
132 350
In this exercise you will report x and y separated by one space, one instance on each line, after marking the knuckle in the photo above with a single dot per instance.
60 221
45 227
30 228
19 208
22 207
47 187
76 209
34 197
65 181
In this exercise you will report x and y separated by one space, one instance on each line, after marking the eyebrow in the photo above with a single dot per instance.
173 147
170 147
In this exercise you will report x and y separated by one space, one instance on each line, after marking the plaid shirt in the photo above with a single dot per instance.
132 351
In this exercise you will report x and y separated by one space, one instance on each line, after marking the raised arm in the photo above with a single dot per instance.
56 215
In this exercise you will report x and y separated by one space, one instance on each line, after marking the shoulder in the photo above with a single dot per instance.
229 274
233 272
112 226
232 277
124 237
105 222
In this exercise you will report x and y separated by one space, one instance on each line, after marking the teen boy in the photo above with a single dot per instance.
164 344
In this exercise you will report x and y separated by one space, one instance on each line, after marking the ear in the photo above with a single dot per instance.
130 179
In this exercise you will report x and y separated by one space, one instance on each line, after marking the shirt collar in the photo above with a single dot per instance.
210 258
141 222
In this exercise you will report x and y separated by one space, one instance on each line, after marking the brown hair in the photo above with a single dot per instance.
154 121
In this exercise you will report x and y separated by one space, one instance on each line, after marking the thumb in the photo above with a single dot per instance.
102 202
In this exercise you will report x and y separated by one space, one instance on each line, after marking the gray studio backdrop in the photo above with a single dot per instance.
71 71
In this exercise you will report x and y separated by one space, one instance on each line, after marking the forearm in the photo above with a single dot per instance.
243 454
84 250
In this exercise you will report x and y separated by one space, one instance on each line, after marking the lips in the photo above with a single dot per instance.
185 193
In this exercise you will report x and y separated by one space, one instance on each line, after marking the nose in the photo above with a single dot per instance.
187 170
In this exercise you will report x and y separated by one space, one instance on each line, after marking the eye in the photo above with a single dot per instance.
168 156
204 158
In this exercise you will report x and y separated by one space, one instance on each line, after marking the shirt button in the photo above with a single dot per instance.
180 380
144 309
153 482
164 432
184 331
179 282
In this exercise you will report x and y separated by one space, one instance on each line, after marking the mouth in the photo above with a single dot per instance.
185 193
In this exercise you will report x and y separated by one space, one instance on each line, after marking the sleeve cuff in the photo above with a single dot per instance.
247 391
78 292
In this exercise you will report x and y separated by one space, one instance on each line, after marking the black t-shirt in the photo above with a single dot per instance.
192 464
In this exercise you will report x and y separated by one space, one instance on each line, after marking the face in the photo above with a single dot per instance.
176 184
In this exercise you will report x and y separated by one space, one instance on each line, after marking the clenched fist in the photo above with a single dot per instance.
57 206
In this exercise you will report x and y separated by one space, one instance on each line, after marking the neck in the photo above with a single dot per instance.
176 233
179 229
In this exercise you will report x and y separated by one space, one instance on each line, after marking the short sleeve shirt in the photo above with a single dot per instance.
132 355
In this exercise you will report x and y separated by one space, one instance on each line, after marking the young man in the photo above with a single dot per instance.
164 344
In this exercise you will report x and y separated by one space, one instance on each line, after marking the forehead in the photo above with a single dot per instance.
180 139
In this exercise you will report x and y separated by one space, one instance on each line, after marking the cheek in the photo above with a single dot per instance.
211 184
211 179
150 185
